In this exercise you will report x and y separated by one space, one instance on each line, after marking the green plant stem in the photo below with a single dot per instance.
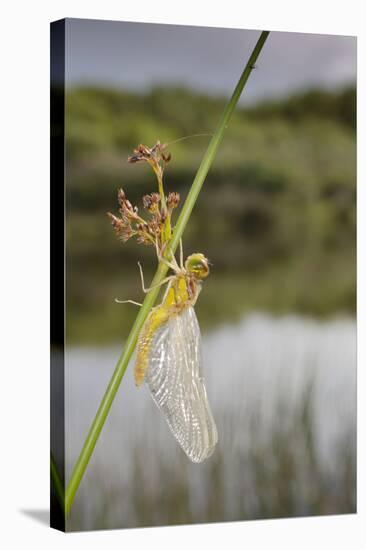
57 483
167 229
150 298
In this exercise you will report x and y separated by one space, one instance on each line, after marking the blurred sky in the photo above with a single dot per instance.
139 55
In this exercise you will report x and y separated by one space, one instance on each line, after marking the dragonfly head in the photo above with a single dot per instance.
197 264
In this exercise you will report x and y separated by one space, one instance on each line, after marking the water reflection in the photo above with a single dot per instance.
283 393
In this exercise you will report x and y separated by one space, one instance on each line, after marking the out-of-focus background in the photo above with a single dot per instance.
276 217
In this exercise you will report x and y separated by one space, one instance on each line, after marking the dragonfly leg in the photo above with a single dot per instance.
175 263
163 282
181 254
127 302
172 264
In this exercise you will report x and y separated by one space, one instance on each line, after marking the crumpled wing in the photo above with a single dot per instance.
176 384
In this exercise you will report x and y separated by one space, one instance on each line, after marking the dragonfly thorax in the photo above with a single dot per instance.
183 291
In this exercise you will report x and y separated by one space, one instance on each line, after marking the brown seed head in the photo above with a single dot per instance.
166 157
173 200
121 227
121 196
141 153
155 227
151 202
127 211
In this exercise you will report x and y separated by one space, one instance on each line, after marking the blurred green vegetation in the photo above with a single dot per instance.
276 215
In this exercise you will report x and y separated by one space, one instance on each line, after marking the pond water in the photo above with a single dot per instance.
283 394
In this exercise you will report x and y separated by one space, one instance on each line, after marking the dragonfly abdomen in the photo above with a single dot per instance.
157 317
176 301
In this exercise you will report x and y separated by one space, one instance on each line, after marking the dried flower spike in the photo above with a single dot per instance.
156 230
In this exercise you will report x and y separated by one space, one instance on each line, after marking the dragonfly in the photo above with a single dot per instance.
169 358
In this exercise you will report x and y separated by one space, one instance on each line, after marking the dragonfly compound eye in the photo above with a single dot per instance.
197 264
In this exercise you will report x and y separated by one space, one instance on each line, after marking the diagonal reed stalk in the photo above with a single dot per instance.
110 393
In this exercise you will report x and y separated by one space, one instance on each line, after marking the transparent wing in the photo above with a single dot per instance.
176 384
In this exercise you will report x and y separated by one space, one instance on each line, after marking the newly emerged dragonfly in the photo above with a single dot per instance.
169 360
169 346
